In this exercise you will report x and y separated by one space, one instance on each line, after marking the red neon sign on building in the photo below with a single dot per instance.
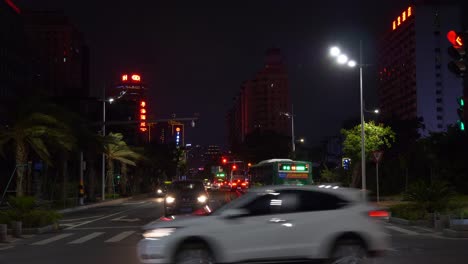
133 78
402 18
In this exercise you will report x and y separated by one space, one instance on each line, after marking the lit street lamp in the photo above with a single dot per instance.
110 101
343 59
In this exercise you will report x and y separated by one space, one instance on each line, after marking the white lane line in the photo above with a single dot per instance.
108 227
52 239
107 216
401 230
120 237
134 203
79 219
5 248
86 238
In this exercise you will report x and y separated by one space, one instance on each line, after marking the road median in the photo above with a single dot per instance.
102 203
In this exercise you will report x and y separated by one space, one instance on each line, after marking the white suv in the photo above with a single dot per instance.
274 223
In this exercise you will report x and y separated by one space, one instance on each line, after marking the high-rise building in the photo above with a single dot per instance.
260 101
129 104
60 55
414 80
14 74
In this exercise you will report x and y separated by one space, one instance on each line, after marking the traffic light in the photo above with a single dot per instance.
458 52
234 167
142 114
346 163
461 114
224 160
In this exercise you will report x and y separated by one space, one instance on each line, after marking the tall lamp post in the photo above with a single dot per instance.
291 116
343 59
103 129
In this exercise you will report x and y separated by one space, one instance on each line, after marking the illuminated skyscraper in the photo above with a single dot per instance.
414 80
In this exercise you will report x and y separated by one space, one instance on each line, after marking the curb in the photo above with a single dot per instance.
99 204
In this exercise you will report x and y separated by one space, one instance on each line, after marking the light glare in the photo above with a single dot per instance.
352 63
342 59
335 51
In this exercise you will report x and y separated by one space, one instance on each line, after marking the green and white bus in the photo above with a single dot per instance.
281 172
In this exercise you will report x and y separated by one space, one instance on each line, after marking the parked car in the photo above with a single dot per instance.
273 223
185 197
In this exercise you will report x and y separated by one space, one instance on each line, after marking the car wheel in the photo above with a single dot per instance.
348 252
194 254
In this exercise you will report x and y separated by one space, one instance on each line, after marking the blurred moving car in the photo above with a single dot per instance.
239 185
185 197
273 223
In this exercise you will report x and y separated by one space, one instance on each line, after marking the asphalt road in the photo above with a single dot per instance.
109 235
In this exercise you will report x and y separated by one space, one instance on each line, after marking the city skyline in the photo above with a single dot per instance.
200 72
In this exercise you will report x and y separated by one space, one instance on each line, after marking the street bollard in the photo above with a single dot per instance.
17 227
3 233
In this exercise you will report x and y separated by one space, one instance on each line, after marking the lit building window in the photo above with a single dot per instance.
409 11
399 20
404 15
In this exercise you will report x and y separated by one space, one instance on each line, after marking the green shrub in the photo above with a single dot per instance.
433 197
4 217
409 211
40 218
22 203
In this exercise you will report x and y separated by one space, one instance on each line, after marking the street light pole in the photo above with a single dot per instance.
363 135
103 190
292 131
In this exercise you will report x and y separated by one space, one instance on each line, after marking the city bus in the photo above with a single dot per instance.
281 172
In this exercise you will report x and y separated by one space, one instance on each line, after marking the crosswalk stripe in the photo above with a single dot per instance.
86 238
120 236
401 230
52 239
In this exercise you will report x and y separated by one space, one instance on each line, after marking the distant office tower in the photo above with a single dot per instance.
414 80
261 100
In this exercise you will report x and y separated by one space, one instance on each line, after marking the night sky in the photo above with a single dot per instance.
194 55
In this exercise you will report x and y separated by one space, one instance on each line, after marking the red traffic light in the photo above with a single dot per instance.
455 39
224 160
234 167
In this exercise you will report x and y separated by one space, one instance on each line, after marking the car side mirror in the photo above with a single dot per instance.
234 213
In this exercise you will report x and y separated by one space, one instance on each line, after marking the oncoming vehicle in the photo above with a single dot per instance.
185 197
281 172
273 223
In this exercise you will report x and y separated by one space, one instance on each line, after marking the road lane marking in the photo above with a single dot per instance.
401 230
52 239
122 219
5 248
107 216
134 203
120 237
86 238
79 219
107 227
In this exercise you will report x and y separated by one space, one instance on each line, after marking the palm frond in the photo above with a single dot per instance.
126 161
37 144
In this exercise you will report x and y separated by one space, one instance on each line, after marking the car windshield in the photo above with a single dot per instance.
186 186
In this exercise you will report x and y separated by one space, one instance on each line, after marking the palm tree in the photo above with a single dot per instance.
116 149
34 131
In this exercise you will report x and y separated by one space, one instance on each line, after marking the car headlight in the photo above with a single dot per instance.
158 233
202 198
170 199
159 191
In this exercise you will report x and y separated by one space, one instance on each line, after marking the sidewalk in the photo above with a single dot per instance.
102 203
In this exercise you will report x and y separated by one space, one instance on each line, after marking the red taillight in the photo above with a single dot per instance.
234 184
243 184
165 219
378 213
221 183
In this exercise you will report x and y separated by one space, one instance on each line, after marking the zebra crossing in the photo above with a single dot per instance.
83 238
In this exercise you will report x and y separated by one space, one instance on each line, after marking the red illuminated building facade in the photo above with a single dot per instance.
414 80
130 104
260 101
